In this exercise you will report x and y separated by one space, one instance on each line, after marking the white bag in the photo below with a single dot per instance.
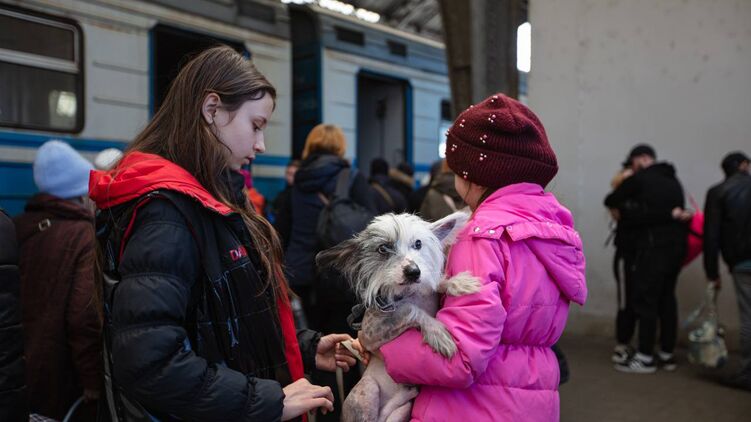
706 336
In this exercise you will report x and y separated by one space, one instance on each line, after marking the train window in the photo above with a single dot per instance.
349 36
397 48
446 110
40 72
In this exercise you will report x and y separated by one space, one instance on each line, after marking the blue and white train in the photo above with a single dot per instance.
91 72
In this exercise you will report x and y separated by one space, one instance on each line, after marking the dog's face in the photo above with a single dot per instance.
394 255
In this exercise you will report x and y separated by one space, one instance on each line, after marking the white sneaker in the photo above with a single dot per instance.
622 353
637 365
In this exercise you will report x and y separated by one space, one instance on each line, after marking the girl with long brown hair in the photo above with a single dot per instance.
198 324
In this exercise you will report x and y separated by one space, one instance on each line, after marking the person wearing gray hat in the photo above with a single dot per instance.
727 229
62 328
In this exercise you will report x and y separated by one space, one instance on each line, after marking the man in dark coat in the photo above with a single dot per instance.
57 254
12 382
387 198
727 229
660 237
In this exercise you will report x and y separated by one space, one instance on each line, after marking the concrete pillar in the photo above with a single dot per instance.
480 37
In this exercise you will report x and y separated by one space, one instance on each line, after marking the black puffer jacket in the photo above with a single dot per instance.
655 192
318 173
193 334
727 223
12 382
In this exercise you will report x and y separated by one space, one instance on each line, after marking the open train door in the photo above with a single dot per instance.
171 48
383 119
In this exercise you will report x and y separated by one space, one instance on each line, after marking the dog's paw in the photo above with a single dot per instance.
440 340
461 284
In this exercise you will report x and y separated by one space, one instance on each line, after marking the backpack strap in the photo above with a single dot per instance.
450 202
343 184
384 194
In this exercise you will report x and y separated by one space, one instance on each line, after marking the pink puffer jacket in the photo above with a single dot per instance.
521 243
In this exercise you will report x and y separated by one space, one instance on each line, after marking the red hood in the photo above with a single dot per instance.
139 173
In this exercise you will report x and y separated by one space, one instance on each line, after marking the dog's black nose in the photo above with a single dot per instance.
412 272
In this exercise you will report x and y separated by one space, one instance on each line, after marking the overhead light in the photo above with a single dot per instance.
341 7
524 47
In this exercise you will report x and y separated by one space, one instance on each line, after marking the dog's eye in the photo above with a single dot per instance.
418 244
384 249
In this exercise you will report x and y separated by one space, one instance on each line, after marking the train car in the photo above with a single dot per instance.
92 73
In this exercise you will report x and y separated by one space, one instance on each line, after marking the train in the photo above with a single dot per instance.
92 72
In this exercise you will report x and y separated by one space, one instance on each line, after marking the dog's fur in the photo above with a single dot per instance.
397 260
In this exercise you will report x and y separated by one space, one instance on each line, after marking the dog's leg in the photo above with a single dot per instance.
434 333
399 407
401 414
363 402
461 284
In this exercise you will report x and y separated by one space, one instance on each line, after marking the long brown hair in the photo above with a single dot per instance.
178 133
327 139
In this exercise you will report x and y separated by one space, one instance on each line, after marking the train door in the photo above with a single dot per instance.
383 120
171 48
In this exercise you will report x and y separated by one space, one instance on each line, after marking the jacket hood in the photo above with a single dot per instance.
318 172
400 177
665 169
444 184
42 206
139 173
526 212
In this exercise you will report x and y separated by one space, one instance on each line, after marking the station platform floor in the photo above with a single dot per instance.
596 392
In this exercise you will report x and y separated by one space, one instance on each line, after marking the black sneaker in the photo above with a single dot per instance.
668 364
622 353
637 366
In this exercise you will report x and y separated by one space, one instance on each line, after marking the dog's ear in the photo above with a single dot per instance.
448 227
340 257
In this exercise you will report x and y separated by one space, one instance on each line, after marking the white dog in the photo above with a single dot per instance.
395 267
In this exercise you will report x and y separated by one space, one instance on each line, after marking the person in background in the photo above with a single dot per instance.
387 198
418 196
107 158
727 229
255 197
12 382
61 321
623 265
442 199
281 208
660 240
326 296
402 179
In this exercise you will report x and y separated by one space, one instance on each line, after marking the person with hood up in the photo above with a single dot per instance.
442 198
657 222
402 178
326 296
387 197
62 325
521 243
198 318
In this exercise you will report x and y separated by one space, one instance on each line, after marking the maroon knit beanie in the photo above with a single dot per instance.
500 142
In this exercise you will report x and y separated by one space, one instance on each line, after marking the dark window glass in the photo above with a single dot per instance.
35 37
349 36
446 110
397 48
38 98
41 81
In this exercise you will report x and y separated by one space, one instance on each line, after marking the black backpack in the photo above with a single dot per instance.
341 217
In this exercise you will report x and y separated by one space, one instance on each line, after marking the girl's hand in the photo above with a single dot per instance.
301 397
364 354
330 354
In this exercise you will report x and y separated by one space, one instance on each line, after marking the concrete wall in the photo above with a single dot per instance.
609 74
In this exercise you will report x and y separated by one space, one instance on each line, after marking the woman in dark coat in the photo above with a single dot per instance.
327 298
199 324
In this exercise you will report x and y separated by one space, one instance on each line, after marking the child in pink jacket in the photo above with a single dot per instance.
520 241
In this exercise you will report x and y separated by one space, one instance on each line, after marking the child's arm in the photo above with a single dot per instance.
475 321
